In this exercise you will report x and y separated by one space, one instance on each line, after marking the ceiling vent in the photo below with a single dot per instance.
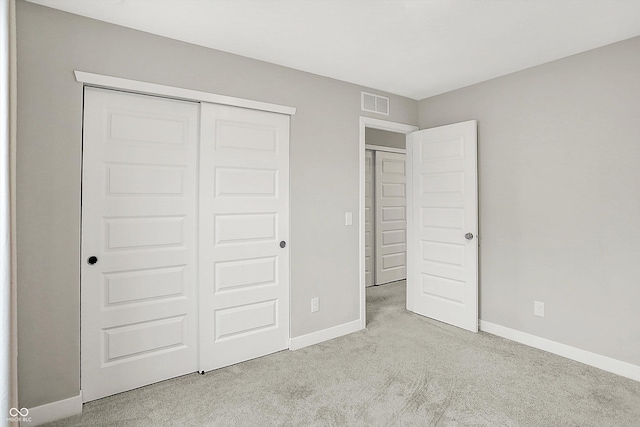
375 103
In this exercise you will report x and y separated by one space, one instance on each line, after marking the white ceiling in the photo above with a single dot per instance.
415 48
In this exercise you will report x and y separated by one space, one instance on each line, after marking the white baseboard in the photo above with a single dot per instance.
55 410
324 335
588 358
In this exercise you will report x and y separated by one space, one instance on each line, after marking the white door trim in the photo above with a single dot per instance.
137 86
369 122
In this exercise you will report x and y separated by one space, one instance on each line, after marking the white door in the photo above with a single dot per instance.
369 224
244 233
138 274
390 217
442 281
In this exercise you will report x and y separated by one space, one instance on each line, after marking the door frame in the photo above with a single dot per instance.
372 123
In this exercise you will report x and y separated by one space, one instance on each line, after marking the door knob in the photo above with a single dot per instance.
283 244
92 260
468 236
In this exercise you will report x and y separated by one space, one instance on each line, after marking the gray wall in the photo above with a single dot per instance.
559 176
385 138
324 176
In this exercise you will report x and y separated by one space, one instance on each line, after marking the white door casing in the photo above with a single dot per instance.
442 280
369 221
244 215
139 220
390 217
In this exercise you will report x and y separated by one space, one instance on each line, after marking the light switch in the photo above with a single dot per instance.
348 218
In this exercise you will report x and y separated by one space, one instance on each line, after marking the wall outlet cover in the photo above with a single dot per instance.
538 308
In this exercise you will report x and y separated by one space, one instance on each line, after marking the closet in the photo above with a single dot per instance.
185 222
385 216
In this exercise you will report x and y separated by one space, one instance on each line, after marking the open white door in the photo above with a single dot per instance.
442 276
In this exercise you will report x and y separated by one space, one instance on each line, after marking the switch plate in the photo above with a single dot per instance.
348 218
538 308
315 305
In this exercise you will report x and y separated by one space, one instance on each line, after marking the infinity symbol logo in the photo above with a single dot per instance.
14 412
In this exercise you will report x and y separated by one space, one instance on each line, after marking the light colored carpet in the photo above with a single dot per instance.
403 370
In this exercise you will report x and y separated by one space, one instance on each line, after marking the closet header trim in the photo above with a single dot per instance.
99 80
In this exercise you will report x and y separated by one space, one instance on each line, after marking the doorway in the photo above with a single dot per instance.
385 208
383 125
442 221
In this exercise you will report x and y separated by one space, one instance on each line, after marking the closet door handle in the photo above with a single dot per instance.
92 260
468 236
283 244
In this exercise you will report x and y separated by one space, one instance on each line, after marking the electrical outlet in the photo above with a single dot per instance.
315 305
538 308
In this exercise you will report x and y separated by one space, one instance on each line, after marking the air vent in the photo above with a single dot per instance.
375 103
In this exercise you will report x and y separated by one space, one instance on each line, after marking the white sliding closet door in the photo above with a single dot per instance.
244 231
149 218
369 222
138 274
390 217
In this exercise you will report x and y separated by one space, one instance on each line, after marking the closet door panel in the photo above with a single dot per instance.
244 233
390 217
138 267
